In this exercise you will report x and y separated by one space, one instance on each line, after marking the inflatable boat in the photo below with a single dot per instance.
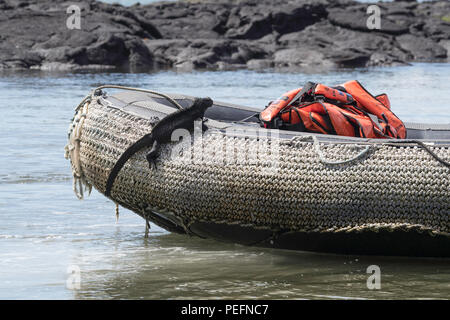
231 180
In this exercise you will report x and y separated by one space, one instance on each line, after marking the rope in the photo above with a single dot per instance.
245 119
324 160
397 185
117 212
72 149
88 98
176 104
367 148
147 225
423 146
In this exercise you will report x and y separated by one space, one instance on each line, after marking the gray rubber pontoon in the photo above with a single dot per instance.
241 183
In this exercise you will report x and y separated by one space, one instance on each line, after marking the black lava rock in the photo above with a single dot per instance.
223 34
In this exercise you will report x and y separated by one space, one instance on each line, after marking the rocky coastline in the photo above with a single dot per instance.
303 35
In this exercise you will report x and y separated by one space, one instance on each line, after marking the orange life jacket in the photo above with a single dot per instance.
383 98
347 110
275 107
392 125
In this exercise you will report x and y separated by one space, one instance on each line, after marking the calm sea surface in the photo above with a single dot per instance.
45 231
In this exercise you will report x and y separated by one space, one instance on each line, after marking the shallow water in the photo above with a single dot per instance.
44 229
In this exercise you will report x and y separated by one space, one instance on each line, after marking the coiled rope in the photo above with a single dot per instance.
72 149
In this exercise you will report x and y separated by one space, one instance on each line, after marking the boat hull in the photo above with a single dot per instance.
239 183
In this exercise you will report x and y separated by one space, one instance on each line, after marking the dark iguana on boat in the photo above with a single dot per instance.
161 133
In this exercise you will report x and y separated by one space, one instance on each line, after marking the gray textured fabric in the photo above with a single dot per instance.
390 187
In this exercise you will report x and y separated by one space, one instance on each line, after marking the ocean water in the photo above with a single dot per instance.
46 233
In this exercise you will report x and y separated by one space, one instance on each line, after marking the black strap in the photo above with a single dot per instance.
306 90
301 124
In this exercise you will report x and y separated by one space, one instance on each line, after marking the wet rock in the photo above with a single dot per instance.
432 20
221 35
260 64
259 21
139 57
384 59
208 54
301 59
177 20
343 47
109 36
357 18
437 30
422 49
446 45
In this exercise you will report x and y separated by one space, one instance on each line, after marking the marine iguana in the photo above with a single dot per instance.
161 133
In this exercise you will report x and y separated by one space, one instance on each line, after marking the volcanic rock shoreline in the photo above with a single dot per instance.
221 35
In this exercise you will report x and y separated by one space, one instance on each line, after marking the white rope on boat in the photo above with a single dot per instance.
326 161
117 212
367 148
423 146
81 184
392 186
72 149
176 104
322 157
